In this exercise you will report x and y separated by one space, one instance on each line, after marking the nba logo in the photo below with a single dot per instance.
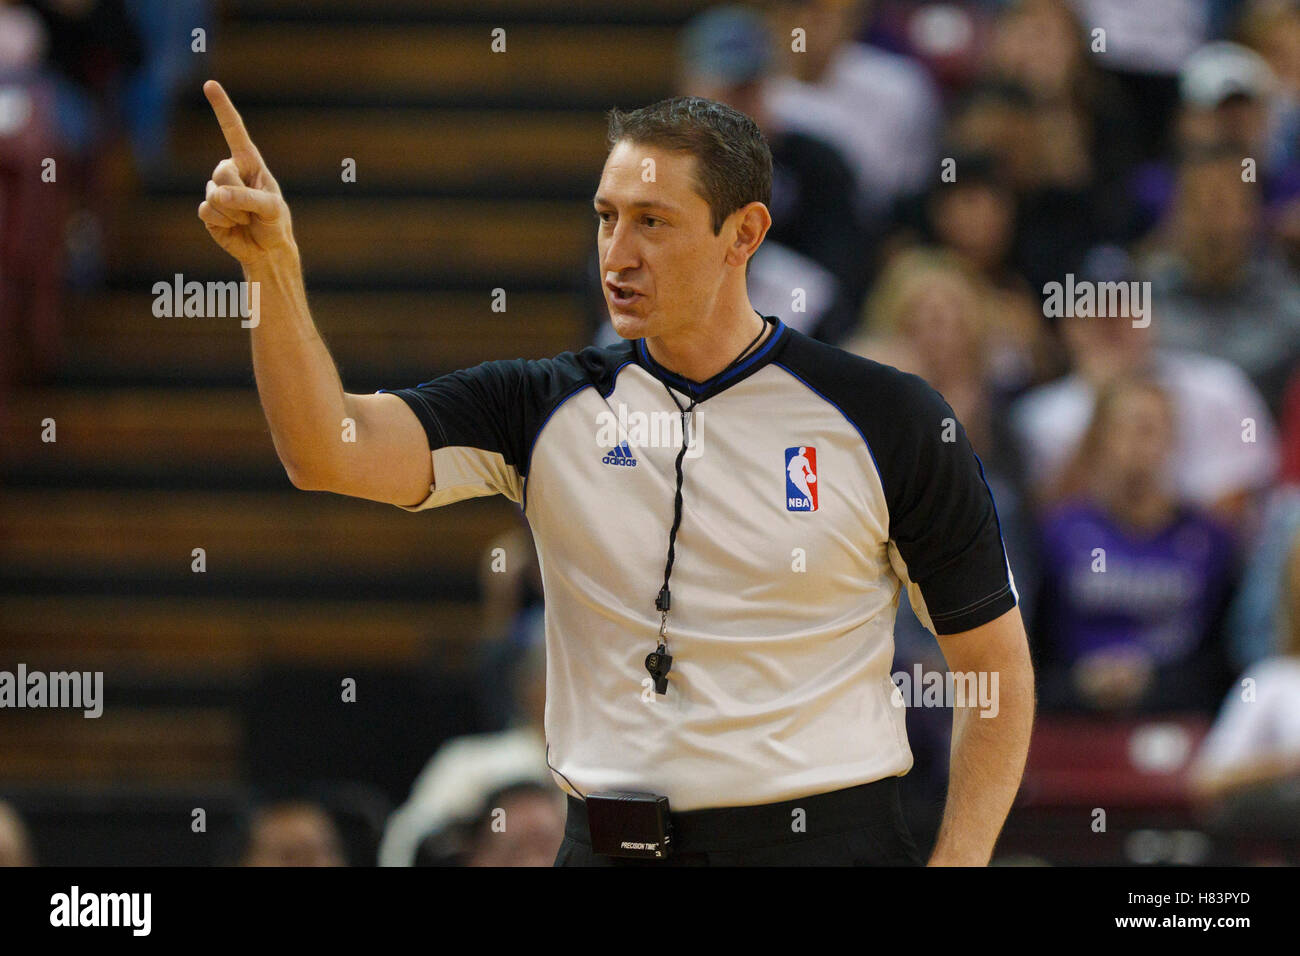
801 478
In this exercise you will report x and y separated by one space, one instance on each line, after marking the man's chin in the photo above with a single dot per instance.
629 325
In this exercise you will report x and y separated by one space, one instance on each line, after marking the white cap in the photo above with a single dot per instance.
1220 70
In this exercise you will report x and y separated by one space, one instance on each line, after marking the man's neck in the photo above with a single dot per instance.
700 352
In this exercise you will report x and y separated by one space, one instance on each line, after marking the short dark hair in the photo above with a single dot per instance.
733 162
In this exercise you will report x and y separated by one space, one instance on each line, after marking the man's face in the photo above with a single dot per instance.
532 835
14 848
1104 347
1137 441
295 836
936 320
1217 218
977 221
661 265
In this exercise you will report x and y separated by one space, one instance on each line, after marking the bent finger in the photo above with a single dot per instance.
262 204
213 216
227 174
234 215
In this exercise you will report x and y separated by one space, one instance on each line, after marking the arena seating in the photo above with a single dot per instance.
474 172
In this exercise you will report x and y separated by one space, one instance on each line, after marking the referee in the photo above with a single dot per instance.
725 512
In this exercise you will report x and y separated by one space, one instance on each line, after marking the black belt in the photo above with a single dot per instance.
718 829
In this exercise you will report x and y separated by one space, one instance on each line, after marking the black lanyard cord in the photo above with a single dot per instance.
660 662
662 601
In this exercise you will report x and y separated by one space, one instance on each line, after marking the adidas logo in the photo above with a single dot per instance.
622 455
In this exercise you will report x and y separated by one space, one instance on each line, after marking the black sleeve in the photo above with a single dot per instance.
478 422
481 422
941 512
484 407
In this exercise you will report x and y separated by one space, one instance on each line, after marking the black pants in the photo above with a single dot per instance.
858 826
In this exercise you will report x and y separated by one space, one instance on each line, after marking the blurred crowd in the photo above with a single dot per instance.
86 90
948 173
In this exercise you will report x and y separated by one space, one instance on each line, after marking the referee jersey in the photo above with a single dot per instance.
816 484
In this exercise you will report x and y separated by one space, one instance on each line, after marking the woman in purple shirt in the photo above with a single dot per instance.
1135 580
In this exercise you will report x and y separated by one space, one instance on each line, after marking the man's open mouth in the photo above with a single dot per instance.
622 294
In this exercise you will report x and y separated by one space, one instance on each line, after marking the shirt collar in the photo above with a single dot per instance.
723 380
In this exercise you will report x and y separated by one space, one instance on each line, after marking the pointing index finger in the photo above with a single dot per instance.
232 127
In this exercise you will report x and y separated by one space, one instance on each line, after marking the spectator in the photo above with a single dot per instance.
1213 464
1229 99
1290 471
93 48
169 60
15 844
879 109
1256 627
974 215
1226 94
1145 46
1071 183
1134 581
1215 277
293 834
510 582
1254 745
465 770
32 208
932 316
1272 29
726 56
995 118
520 824
946 38
93 51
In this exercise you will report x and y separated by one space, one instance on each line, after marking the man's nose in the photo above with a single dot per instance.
621 253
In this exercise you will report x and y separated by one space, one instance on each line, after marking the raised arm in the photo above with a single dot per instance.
302 395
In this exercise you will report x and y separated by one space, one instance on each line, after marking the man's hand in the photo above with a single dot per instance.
301 392
243 210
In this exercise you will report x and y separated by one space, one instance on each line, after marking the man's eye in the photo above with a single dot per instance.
652 221
604 216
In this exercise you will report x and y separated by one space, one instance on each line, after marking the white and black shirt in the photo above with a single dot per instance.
815 485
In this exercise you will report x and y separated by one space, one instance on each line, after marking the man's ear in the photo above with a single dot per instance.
751 223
